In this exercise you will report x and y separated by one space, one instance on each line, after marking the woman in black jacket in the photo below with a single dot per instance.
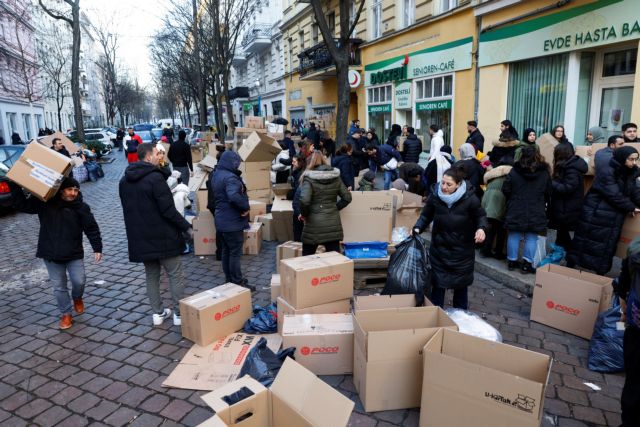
392 139
611 198
567 194
458 224
345 163
503 151
180 157
527 189
298 166
473 170
63 219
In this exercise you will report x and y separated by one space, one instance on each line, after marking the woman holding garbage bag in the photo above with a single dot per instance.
319 190
458 224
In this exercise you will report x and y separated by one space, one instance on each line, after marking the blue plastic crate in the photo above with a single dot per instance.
360 250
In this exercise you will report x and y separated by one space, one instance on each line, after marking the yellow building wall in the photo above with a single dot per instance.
492 101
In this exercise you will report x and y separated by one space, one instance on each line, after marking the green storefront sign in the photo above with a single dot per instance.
399 73
380 108
434 105
594 24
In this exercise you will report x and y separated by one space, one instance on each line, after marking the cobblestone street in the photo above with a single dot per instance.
108 368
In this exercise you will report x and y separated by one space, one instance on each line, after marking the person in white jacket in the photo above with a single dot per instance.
281 168
180 197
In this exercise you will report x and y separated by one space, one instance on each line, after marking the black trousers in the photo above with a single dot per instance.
630 401
563 239
495 232
309 249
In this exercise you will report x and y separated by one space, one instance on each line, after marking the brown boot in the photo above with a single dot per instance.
65 321
78 305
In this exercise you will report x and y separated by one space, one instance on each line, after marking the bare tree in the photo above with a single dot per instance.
55 65
71 17
108 67
340 49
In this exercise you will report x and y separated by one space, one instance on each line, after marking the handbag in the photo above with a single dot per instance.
391 165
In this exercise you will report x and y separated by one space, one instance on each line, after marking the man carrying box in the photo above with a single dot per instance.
62 222
231 215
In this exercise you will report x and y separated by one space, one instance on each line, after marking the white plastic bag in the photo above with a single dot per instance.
399 234
471 324
541 251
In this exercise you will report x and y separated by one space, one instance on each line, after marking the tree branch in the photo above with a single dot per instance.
55 16
356 18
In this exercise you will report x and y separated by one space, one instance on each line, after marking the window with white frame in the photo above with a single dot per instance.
26 118
446 5
435 87
376 19
379 94
408 12
11 121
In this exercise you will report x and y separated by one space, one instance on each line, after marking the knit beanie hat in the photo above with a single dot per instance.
69 183
369 176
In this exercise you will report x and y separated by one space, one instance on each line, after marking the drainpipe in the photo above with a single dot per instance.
476 55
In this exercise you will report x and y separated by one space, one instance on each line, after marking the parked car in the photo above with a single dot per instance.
157 133
9 154
196 138
143 126
147 136
100 137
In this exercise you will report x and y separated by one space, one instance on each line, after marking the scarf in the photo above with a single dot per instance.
450 199
442 159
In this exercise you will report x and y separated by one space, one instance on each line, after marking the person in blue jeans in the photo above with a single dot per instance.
527 189
385 157
231 215
63 220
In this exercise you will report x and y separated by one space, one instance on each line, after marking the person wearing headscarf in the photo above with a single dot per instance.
439 162
595 135
612 197
504 149
473 170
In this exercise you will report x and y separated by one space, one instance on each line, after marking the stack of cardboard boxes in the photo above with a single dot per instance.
282 215
257 153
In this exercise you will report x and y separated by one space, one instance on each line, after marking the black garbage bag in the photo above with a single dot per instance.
263 321
605 347
262 364
409 270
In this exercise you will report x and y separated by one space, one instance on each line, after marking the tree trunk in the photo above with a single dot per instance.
219 116
75 70
344 94
230 118
202 95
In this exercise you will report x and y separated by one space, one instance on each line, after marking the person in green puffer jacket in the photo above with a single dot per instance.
367 182
319 205
494 203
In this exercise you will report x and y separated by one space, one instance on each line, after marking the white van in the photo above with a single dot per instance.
167 123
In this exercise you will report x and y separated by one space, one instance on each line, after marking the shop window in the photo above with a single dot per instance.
620 63
537 93
433 106
379 95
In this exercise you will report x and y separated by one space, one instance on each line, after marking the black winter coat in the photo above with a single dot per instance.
610 199
567 194
527 195
476 139
474 173
411 149
361 157
154 226
345 164
230 194
61 226
452 251
180 155
294 193
503 152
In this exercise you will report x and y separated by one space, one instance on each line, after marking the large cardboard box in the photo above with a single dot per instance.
369 216
569 300
323 342
282 211
588 153
256 208
215 313
297 398
197 153
68 144
253 239
316 279
630 230
469 381
202 196
284 309
281 190
268 231
259 147
256 175
289 249
208 163
212 366
387 371
204 234
275 287
382 302
40 170
263 196
408 208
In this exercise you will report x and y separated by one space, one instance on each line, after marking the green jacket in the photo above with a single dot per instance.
365 185
493 201
320 207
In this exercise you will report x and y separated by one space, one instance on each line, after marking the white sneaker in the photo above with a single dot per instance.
159 318
177 321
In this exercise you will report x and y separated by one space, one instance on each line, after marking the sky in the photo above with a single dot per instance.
135 22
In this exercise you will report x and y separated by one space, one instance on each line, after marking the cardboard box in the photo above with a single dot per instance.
323 342
469 381
212 366
588 153
47 141
316 279
256 175
40 170
289 249
281 190
204 234
275 287
387 371
630 230
282 211
254 122
197 154
208 163
284 309
256 208
369 216
246 167
268 232
253 239
259 147
215 313
260 195
382 302
297 398
569 300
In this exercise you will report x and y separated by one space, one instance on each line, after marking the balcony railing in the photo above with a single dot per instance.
318 58
257 38
239 92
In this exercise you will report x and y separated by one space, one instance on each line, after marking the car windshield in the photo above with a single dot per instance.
145 135
8 156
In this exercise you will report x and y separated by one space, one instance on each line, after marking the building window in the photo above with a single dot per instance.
301 40
446 5
408 12
11 121
331 22
537 93
434 103
314 34
435 87
26 118
276 106
619 63
376 18
39 121
290 54
379 94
